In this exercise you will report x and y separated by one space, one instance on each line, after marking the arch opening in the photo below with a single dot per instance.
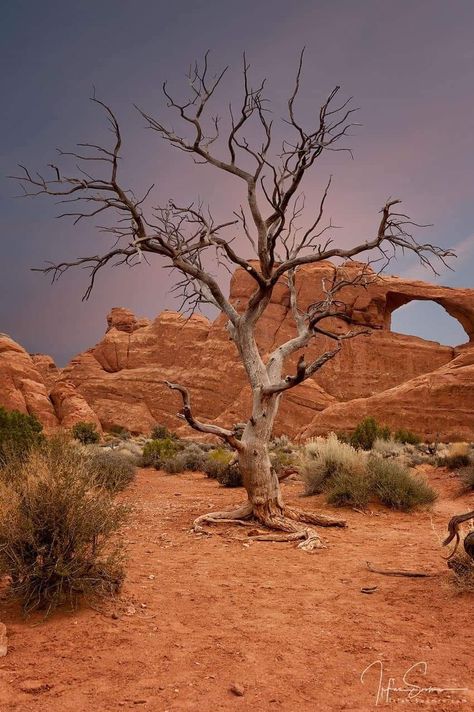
425 319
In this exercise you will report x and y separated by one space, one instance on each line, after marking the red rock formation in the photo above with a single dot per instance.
402 380
21 385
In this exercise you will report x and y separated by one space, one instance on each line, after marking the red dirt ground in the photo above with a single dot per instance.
199 614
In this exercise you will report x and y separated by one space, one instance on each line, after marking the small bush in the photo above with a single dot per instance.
120 432
161 432
18 434
367 432
283 454
467 478
387 448
57 530
323 459
111 470
458 456
86 433
157 452
217 465
406 437
394 486
349 490
190 458
462 567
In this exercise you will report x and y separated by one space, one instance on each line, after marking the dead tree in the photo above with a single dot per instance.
276 235
453 533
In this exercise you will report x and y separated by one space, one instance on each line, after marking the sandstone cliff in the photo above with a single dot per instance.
402 380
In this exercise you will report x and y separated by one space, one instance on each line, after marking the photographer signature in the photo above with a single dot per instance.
385 688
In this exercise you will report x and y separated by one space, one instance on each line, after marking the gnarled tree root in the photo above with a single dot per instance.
288 522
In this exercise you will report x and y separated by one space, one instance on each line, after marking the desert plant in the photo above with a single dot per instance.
18 433
111 469
387 447
406 437
462 567
158 451
120 432
346 489
57 530
394 486
467 478
219 465
161 432
191 457
85 432
322 459
367 432
458 456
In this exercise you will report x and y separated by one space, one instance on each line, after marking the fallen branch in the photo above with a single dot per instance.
408 574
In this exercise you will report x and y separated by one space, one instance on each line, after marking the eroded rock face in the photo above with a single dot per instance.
21 384
402 380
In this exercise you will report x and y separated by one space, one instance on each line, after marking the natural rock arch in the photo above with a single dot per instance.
463 315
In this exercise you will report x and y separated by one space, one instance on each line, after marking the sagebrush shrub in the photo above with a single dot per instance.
161 432
351 490
323 459
111 470
467 478
387 448
367 432
406 437
86 433
57 529
157 452
190 458
395 487
19 432
458 456
218 465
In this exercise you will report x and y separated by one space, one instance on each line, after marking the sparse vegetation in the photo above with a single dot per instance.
458 456
190 458
111 470
157 452
324 459
351 477
86 433
19 432
406 437
462 567
218 465
161 432
387 447
120 432
283 454
57 529
467 478
395 486
367 432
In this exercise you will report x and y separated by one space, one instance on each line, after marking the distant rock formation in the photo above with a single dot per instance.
402 380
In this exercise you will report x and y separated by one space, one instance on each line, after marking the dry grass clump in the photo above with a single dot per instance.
57 529
387 448
219 465
458 456
323 459
467 478
394 486
351 477
111 469
462 567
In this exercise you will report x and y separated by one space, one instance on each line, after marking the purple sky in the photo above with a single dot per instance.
408 63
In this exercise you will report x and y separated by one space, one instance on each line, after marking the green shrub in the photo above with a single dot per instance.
454 462
157 452
367 432
57 530
323 459
467 478
349 490
120 432
161 432
86 433
394 486
18 434
217 465
191 457
406 437
111 470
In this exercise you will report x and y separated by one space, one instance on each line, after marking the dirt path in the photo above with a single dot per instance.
198 614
